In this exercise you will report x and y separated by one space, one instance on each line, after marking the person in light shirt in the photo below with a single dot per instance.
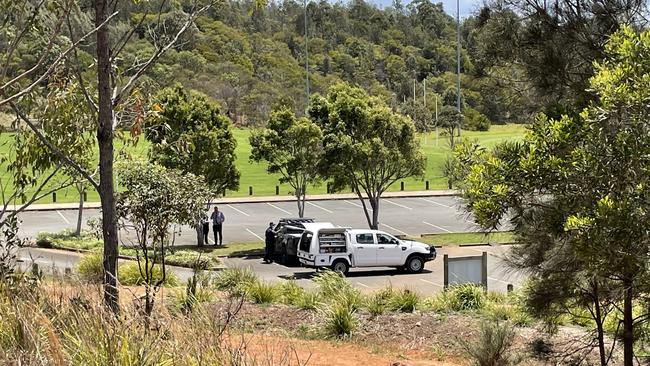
217 218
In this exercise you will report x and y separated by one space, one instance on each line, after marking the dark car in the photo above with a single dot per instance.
287 235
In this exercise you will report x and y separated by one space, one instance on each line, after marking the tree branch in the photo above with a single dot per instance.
63 157
63 55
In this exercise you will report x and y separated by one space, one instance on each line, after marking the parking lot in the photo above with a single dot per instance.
246 222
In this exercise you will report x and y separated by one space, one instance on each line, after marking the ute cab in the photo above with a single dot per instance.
342 248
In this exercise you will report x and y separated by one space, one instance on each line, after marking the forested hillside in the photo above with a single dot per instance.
249 56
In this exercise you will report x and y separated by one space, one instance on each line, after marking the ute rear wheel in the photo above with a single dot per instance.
340 266
415 264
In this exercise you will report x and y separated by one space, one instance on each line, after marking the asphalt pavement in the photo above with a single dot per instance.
246 222
430 281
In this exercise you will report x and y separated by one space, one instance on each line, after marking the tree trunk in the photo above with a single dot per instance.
80 213
599 326
374 203
628 326
105 142
199 234
300 197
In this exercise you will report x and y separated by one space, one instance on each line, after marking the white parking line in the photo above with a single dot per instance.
397 204
362 285
353 204
436 226
238 210
63 217
257 236
276 207
317 206
394 229
434 202
431 283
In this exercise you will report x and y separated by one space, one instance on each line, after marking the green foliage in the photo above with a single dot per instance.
475 121
91 268
290 292
378 302
333 285
404 301
493 346
466 297
129 275
340 318
235 280
261 292
189 133
308 301
292 148
367 145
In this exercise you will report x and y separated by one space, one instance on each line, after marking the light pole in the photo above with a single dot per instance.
306 57
458 60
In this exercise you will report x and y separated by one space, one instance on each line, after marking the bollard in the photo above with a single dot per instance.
53 197
250 190
510 288
328 188
277 190
426 185
401 186
85 196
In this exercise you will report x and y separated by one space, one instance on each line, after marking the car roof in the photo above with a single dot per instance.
365 231
313 226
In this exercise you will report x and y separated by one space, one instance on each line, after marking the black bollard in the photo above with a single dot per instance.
53 197
250 190
426 185
401 186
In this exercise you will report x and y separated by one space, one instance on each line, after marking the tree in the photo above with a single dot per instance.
575 190
189 133
155 198
450 120
367 146
292 147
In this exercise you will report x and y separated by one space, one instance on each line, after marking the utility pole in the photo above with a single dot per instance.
306 56
436 119
413 91
424 91
458 58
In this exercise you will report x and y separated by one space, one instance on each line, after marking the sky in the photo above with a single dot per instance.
467 7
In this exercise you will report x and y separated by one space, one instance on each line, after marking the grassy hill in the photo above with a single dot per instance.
255 175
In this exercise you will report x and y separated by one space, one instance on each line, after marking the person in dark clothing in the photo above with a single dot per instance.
269 240
217 218
206 229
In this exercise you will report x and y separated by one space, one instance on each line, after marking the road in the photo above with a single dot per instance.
429 282
246 222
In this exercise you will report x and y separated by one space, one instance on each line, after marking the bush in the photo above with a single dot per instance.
507 312
290 292
308 301
377 303
493 345
466 297
475 120
129 275
405 301
235 280
191 259
91 268
262 292
340 319
334 285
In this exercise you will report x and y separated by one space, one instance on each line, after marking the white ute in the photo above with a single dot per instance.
343 248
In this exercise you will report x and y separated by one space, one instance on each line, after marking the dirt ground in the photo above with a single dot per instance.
393 339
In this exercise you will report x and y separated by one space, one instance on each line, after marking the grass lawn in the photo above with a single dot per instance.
255 175
451 239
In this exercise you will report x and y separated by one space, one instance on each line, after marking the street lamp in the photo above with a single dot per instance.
306 57
458 59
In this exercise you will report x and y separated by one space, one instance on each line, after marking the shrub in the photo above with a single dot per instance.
377 303
235 280
191 259
129 275
475 120
91 268
340 319
466 297
332 285
261 292
405 301
290 292
493 345
507 312
308 301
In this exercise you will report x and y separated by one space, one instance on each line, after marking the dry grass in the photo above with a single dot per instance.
64 323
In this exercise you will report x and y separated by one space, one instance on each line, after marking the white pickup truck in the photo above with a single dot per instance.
343 248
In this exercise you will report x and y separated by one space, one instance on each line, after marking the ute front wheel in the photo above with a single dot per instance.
415 264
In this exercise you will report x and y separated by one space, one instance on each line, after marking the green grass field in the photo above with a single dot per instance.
255 175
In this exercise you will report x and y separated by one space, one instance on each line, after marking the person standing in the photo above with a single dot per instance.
205 223
269 241
217 223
